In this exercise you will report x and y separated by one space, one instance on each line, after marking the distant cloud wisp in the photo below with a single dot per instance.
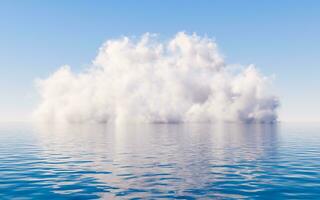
182 80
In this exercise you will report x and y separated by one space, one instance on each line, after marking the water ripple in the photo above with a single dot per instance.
161 162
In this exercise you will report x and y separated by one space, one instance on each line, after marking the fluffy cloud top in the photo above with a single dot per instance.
182 80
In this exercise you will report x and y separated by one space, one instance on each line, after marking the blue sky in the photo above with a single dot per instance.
281 38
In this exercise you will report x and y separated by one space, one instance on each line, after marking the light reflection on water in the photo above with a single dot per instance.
185 161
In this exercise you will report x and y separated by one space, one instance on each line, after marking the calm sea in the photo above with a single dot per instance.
182 161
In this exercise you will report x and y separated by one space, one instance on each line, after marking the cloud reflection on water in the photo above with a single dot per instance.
157 160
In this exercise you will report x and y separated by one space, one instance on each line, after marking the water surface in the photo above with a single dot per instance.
183 161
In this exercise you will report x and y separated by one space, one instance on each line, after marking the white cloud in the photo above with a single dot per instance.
183 80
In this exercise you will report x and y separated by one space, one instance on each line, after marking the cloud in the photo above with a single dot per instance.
182 80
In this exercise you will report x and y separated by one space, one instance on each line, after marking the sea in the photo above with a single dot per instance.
160 161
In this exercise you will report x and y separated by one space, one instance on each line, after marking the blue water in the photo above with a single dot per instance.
186 161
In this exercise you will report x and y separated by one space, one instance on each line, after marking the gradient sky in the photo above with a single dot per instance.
281 38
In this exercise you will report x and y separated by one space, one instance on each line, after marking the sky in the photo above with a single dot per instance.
280 37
